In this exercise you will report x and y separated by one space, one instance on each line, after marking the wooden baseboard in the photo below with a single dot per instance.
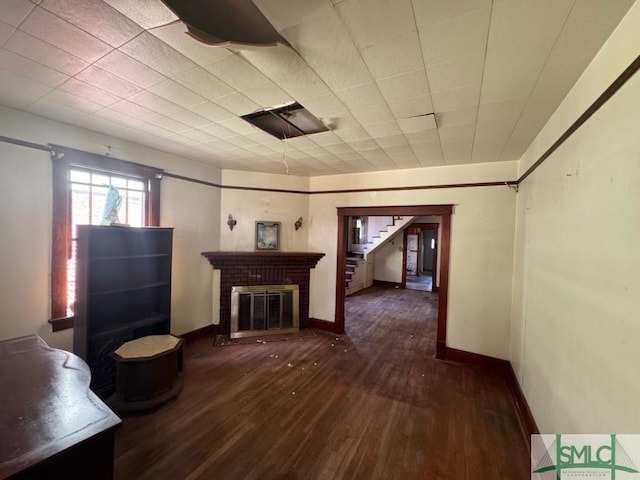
384 283
209 333
322 325
525 418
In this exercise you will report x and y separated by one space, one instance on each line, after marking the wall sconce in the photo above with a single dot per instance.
298 223
231 222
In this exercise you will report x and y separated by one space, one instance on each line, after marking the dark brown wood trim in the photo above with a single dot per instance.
60 237
323 325
405 237
444 211
593 108
526 421
205 333
477 360
416 187
384 283
525 417
80 158
443 284
62 323
24 143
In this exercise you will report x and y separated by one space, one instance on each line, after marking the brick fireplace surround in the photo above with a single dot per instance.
262 268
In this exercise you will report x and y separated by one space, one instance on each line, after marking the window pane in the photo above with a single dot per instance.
135 209
100 179
119 182
99 194
80 176
80 211
136 185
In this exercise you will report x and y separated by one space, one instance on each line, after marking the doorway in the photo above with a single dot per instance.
443 211
421 252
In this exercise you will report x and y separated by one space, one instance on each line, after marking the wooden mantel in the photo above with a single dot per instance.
222 259
262 268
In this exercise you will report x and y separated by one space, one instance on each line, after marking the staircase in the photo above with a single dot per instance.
355 271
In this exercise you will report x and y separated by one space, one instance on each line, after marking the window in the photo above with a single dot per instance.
86 187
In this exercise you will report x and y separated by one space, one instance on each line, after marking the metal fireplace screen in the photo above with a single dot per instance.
264 310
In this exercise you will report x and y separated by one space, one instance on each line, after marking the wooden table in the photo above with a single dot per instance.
52 425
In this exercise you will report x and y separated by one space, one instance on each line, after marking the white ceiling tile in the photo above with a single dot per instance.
457 117
158 55
198 136
303 84
221 146
325 138
374 115
175 35
338 149
107 81
218 131
238 104
406 160
452 132
417 124
457 98
238 125
416 139
204 83
372 21
267 95
62 113
211 111
345 72
190 118
6 31
325 106
361 96
403 86
392 141
522 37
284 13
14 12
18 91
50 28
352 134
28 68
455 73
146 13
155 103
236 71
458 149
321 38
384 60
464 36
44 53
429 12
507 108
129 69
88 92
176 93
411 106
96 18
167 123
365 144
72 101
275 62
102 125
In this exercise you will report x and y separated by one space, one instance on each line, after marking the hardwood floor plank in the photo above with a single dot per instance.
371 404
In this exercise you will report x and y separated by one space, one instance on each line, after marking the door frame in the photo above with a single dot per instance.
444 211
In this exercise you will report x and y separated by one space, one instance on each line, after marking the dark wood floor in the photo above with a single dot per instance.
370 404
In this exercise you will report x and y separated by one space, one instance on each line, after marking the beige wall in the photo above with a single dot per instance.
575 328
25 243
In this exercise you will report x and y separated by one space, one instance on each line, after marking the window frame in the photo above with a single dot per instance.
63 160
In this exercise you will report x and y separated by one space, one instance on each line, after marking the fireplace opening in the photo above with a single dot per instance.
264 310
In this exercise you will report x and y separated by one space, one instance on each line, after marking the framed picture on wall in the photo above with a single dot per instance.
267 235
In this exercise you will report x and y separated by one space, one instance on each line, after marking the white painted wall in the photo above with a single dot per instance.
25 243
575 332
387 260
481 244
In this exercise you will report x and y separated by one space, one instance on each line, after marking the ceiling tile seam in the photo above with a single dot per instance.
533 87
38 63
426 74
375 80
35 5
455 17
484 63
